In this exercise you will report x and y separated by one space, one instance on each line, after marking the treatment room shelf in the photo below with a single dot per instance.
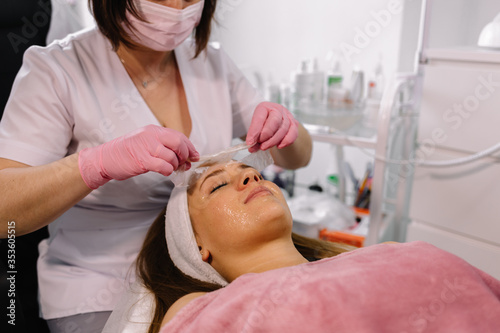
327 134
389 135
344 128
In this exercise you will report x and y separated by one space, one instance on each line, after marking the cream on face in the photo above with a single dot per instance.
233 208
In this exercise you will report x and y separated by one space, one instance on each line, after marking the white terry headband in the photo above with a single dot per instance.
179 233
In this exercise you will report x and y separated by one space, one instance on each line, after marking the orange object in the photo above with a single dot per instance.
361 212
342 237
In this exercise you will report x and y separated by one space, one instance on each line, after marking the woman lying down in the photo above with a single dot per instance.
232 265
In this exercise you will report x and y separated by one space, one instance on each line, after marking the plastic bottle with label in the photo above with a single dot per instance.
307 86
302 88
335 92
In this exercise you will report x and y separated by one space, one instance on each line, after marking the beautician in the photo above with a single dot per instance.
96 121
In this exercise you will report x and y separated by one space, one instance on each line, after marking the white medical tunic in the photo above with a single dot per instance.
75 93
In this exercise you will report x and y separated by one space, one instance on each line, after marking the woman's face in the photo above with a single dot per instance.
177 4
233 209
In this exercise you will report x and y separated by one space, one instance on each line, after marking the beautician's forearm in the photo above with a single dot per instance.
33 197
296 155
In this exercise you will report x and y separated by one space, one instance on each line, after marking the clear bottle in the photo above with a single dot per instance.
356 93
374 96
272 90
335 92
319 79
302 88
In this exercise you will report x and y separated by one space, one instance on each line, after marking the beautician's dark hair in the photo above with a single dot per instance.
110 14
158 273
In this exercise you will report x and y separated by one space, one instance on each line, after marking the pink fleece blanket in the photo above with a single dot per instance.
408 287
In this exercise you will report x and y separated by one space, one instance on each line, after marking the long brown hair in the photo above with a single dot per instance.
110 15
167 283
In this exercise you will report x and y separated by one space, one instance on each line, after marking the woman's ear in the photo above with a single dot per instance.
205 255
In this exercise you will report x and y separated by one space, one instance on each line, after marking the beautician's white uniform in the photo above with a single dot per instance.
75 93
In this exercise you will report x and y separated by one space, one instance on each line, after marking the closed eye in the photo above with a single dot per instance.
217 187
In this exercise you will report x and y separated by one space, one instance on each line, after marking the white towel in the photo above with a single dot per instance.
133 313
179 233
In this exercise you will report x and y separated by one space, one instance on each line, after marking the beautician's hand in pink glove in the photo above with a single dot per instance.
272 125
150 148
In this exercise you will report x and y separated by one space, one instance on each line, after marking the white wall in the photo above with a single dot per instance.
273 36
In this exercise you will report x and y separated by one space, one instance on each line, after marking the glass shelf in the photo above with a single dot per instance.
347 127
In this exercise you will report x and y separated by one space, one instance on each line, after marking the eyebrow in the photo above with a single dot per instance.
219 171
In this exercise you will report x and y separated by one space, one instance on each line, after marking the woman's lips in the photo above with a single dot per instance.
258 191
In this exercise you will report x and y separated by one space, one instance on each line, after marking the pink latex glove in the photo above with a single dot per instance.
150 148
272 125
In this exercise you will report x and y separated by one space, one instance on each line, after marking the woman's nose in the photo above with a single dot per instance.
248 177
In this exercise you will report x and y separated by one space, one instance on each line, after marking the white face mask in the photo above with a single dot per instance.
166 28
